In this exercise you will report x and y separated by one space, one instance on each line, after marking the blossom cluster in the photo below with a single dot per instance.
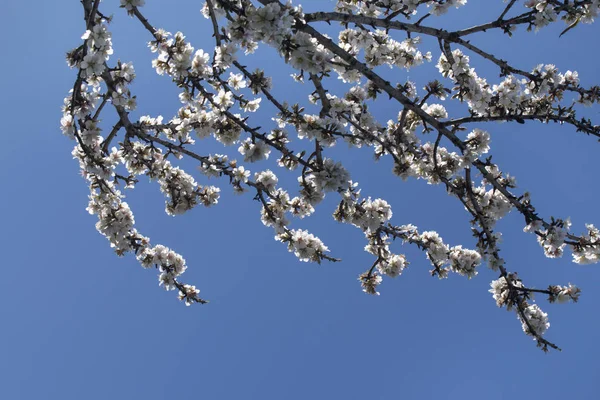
548 12
406 7
505 291
512 96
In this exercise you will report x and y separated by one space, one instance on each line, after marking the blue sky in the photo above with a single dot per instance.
78 322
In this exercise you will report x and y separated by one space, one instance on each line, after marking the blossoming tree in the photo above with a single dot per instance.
220 97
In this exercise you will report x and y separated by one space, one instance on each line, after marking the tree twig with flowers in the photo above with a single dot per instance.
220 96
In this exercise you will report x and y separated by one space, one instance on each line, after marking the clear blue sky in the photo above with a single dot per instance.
78 322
